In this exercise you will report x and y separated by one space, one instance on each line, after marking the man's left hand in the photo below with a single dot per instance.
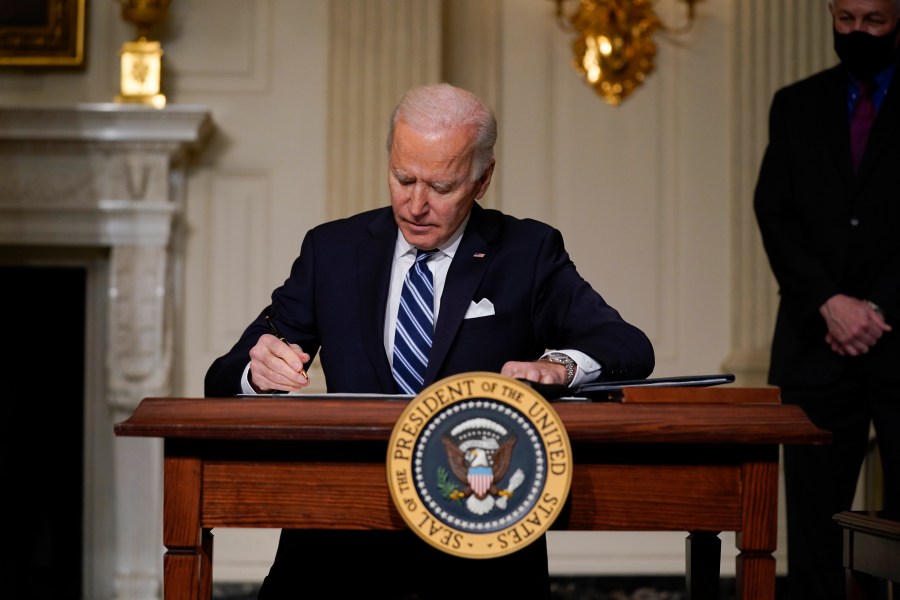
539 371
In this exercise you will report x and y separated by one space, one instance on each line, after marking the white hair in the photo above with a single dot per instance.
443 106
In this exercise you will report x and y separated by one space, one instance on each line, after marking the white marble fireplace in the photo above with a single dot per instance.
102 186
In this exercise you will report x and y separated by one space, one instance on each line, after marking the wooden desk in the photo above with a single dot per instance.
699 460
871 549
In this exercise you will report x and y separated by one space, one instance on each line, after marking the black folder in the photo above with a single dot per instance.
610 391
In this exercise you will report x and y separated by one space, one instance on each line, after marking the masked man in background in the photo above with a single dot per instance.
828 206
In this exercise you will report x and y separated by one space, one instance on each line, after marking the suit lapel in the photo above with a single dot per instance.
473 256
836 125
884 128
374 275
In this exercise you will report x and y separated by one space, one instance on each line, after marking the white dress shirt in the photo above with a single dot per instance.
404 257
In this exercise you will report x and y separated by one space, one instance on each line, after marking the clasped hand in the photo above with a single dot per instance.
854 325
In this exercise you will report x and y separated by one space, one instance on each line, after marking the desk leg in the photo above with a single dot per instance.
703 550
187 572
758 537
755 576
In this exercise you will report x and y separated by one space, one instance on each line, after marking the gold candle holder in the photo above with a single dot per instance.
141 59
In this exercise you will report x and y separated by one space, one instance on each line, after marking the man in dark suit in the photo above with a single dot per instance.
828 206
505 291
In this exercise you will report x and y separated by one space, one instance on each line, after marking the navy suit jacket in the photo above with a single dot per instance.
827 230
333 305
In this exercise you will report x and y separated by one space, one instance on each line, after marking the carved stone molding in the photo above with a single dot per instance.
111 177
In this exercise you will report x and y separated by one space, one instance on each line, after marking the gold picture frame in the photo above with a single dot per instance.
42 33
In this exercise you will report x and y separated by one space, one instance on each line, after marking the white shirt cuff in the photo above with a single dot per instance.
588 369
245 381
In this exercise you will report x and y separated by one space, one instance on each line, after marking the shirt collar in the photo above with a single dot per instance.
402 247
882 80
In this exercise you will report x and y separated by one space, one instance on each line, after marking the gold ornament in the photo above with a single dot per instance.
141 59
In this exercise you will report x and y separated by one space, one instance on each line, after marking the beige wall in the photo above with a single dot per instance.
653 196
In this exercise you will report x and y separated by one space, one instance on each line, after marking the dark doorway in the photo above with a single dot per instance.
43 430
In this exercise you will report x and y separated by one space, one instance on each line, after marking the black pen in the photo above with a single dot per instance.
280 336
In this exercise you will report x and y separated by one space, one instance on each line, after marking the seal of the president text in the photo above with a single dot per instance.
479 465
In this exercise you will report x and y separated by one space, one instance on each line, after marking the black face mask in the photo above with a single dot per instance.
864 54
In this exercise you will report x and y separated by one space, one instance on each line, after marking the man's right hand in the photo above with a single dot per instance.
854 326
277 365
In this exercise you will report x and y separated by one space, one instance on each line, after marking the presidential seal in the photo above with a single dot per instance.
479 465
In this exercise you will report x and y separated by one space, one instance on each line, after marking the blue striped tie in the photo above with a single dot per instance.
415 326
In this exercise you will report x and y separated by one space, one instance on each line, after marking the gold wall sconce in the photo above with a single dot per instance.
614 48
141 59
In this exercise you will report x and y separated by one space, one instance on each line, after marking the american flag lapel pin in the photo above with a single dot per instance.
478 255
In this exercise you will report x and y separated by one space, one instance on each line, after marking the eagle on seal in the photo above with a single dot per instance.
479 452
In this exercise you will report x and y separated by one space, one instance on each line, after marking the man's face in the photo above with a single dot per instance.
430 184
875 17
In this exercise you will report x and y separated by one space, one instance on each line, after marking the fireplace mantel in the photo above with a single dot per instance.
95 174
111 177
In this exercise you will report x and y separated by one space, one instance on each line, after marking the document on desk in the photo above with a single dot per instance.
599 391
324 396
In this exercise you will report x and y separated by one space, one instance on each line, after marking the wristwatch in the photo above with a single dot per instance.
562 359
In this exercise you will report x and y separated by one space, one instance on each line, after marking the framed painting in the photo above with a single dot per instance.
42 33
